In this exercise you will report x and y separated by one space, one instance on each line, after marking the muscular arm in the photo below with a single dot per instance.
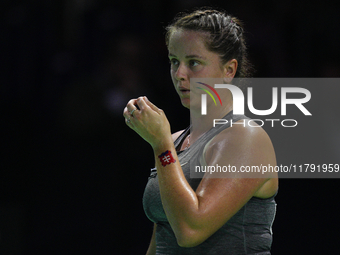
195 216
152 247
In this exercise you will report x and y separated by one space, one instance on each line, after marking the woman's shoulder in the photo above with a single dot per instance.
245 146
242 145
244 132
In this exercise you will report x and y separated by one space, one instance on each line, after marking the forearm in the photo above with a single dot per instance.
179 200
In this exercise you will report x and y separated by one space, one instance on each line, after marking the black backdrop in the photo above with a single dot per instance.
72 173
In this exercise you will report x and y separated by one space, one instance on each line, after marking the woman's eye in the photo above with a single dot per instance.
194 63
174 62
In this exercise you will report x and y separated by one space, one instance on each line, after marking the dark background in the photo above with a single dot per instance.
73 174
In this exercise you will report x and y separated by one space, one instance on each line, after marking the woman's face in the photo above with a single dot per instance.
190 58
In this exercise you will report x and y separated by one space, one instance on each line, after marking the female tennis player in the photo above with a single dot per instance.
207 215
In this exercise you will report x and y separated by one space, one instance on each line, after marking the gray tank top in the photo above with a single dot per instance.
249 231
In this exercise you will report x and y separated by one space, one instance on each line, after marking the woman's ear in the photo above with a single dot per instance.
230 69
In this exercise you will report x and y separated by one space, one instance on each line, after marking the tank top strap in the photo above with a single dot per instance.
181 138
230 117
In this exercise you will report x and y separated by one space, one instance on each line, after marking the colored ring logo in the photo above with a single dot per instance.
212 89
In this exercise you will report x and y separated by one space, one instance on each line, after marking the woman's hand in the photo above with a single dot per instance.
147 120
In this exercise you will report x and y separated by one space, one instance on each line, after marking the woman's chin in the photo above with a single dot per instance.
186 102
186 105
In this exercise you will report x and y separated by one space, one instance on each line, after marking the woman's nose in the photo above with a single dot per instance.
181 73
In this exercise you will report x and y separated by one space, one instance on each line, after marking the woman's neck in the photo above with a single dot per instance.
200 124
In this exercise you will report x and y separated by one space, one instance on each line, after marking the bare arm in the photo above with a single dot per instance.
152 247
195 216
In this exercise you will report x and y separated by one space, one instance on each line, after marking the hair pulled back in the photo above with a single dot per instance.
225 35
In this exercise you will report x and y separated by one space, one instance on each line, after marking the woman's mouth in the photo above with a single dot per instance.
184 91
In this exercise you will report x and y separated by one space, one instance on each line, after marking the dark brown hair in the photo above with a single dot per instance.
225 35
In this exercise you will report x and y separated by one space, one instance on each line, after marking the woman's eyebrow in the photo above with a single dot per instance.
195 56
188 56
